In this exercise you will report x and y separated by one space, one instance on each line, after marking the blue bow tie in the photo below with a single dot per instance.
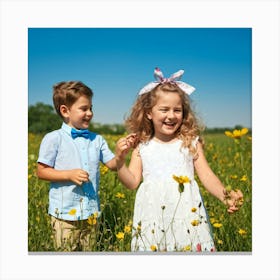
79 133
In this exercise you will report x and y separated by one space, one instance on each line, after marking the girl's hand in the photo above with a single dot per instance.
78 176
233 200
124 145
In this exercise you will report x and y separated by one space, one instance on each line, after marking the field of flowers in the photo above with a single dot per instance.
228 154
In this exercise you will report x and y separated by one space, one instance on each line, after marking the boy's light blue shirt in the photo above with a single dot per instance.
60 151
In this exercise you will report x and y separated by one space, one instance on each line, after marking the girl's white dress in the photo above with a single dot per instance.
166 219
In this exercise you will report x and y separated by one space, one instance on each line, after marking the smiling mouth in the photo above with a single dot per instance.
169 124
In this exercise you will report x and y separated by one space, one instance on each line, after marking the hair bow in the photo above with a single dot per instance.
174 78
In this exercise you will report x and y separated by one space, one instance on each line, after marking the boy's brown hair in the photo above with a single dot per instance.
67 93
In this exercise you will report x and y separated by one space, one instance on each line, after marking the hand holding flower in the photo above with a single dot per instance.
233 199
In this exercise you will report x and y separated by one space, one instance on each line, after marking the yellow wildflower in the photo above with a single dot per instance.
217 225
127 229
243 178
120 235
242 231
187 248
195 223
193 209
103 169
237 133
181 179
92 220
220 242
120 195
153 248
72 212
212 220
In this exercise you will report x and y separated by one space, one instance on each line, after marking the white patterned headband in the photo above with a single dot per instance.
188 89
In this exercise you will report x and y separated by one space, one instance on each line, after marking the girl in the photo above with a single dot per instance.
169 214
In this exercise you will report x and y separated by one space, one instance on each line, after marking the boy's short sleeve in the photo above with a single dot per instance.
48 148
105 153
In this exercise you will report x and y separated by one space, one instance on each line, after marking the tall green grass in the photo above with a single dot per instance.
229 158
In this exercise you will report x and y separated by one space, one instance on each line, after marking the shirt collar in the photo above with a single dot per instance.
66 128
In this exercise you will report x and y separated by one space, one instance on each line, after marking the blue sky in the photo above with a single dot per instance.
117 62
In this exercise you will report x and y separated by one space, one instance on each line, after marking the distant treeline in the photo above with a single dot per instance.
42 119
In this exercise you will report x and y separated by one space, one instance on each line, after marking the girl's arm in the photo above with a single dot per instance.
129 176
48 173
212 183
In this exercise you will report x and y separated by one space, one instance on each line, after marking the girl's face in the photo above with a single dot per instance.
79 114
166 115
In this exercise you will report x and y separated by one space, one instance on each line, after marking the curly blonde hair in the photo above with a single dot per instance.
139 123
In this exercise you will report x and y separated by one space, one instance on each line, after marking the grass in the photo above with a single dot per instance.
230 158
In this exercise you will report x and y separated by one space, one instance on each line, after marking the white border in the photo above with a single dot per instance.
17 16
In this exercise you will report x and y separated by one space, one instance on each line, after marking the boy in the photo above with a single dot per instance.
69 158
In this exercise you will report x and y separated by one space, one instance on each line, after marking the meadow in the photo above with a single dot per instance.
229 155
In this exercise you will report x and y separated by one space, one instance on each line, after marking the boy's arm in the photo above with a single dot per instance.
48 173
112 164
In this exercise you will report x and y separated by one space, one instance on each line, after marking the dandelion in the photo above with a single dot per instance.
181 180
120 195
120 235
220 242
212 220
242 231
92 220
153 248
217 225
72 212
193 209
236 134
103 169
244 178
127 229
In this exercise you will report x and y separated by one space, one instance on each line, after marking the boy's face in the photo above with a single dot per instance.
79 114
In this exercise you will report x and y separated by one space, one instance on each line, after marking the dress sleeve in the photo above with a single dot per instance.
49 148
195 141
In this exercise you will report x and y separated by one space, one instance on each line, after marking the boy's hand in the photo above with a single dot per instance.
78 176
233 200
